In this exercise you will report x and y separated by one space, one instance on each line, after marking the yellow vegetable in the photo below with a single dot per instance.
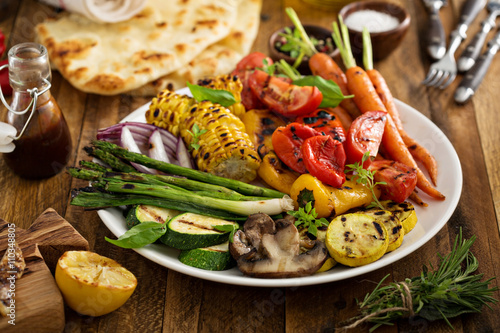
328 200
276 174
166 110
91 284
260 125
224 147
393 225
329 264
405 211
356 239
229 83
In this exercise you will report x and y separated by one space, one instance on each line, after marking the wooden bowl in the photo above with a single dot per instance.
317 32
383 42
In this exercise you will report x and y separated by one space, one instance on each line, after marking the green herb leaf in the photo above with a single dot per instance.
365 177
140 235
449 291
307 217
222 97
196 133
231 228
332 94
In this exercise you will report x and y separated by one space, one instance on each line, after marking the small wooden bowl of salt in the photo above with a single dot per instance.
387 23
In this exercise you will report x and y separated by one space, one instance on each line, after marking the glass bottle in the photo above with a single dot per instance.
44 147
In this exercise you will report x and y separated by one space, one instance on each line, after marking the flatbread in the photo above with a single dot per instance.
219 58
114 58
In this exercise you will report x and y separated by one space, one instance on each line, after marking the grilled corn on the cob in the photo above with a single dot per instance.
230 83
166 110
225 149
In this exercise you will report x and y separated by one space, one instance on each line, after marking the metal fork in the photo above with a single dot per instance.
436 39
442 73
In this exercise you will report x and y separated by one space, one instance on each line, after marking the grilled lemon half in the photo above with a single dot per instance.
91 284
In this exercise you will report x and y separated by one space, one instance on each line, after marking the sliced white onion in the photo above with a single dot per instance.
183 156
128 142
156 147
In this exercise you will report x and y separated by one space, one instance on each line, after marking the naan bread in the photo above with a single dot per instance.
109 59
219 58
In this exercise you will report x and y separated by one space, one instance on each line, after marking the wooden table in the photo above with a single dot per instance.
172 302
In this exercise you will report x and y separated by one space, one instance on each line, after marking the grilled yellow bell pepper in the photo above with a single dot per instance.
327 200
260 125
276 174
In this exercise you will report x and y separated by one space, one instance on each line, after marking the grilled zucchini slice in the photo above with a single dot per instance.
212 258
356 239
147 213
404 211
191 231
393 225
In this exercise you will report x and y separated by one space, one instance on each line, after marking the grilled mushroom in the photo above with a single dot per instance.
271 249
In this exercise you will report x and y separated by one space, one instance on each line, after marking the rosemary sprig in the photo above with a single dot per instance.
449 291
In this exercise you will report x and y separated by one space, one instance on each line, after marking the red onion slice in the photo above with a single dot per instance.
147 139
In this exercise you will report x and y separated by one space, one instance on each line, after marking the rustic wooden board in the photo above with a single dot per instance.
38 301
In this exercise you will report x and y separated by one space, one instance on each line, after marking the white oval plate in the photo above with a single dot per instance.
430 219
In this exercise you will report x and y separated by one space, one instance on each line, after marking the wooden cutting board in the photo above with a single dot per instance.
38 301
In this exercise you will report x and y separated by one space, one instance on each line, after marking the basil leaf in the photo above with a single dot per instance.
222 97
140 235
332 95
224 227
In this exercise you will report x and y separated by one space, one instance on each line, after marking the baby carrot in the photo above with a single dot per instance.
419 152
324 66
367 99
344 116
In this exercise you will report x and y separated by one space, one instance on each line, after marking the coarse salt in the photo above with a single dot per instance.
373 20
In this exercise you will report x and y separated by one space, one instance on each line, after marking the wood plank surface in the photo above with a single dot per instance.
168 301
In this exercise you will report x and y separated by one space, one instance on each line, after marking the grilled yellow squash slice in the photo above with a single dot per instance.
393 225
356 239
404 211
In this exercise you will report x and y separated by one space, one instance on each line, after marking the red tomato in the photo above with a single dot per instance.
4 79
253 60
248 98
400 178
284 98
324 158
287 142
325 122
365 134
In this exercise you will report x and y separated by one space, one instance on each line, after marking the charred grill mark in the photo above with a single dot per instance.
199 226
396 229
379 229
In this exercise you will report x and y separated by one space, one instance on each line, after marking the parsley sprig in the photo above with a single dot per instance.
196 133
365 177
308 217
